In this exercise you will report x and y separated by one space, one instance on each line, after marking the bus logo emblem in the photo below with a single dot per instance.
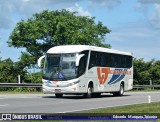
103 74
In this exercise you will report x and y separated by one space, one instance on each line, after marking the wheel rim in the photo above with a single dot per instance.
122 90
89 91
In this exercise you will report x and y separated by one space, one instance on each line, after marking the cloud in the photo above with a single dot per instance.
137 38
13 11
29 7
81 11
1 43
104 3
154 15
149 1
5 18
5 22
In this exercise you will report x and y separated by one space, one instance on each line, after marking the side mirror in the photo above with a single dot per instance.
40 60
78 59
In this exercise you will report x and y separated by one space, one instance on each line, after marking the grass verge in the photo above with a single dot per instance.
138 108
135 110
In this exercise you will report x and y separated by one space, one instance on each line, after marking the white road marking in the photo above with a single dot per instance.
4 105
16 96
102 107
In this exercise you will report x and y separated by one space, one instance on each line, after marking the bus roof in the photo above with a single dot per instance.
79 48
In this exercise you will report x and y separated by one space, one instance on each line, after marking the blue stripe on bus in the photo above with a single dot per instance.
117 77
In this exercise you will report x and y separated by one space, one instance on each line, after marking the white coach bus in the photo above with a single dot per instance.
87 70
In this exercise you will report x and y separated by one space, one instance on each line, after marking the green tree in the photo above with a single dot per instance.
7 71
25 62
155 72
47 29
23 65
146 71
141 71
33 77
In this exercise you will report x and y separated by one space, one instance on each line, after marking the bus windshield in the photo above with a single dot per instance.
60 67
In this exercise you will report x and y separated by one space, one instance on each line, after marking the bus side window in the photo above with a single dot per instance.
118 61
83 63
81 68
123 61
93 59
100 59
108 60
128 61
112 63
115 61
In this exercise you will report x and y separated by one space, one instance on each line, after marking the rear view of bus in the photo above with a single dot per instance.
81 69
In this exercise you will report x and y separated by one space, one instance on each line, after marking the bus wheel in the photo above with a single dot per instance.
59 95
121 91
89 92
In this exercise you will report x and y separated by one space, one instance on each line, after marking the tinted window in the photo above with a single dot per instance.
102 59
93 58
128 61
83 63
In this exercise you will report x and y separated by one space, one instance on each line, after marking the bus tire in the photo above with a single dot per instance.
120 92
89 92
59 95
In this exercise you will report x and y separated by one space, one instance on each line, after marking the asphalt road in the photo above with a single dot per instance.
48 103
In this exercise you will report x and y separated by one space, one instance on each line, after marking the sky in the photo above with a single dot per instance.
134 24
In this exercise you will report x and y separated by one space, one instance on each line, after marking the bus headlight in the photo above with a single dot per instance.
71 84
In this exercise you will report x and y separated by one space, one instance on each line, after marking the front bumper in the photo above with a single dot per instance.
71 89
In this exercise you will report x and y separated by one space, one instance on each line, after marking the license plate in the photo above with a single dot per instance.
57 90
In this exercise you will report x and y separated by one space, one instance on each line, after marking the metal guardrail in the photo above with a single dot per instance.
32 85
39 85
145 86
